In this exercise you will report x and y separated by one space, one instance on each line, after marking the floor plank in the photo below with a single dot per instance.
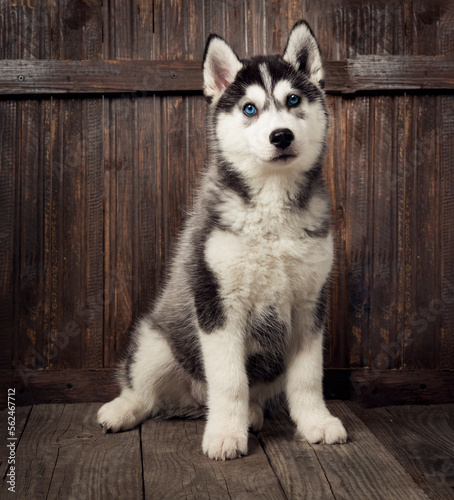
175 467
293 461
63 454
421 438
91 464
21 414
363 468
392 453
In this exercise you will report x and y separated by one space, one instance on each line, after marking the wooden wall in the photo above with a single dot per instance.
94 185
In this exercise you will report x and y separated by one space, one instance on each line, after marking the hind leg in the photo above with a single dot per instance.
151 381
259 395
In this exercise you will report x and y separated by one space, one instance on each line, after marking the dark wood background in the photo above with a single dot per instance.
100 162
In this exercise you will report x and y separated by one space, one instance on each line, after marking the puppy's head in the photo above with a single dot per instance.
268 110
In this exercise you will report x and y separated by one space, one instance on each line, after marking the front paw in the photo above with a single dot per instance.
224 446
325 430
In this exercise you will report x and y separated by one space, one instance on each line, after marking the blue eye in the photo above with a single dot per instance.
293 100
250 110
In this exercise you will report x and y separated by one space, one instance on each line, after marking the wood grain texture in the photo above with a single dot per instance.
386 206
392 453
21 415
360 74
8 230
446 144
371 475
98 171
98 455
374 387
173 449
59 386
293 461
405 431
62 453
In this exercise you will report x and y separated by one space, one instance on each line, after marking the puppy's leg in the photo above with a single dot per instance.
226 431
305 393
150 369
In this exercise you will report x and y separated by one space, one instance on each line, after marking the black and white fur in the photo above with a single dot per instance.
242 315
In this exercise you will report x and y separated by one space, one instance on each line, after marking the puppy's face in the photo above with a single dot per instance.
269 112
271 116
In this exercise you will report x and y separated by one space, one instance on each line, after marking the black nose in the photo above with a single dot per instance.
281 138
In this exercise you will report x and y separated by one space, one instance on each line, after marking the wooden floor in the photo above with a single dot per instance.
404 452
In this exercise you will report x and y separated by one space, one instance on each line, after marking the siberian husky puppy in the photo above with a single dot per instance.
242 314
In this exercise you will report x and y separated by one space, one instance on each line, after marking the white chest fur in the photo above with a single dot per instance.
268 257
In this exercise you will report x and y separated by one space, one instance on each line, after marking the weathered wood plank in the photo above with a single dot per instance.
174 466
421 439
393 387
353 471
424 256
148 196
107 465
445 356
21 414
293 461
107 76
172 19
360 74
62 446
385 125
425 240
357 227
337 334
400 73
9 280
120 185
65 386
38 450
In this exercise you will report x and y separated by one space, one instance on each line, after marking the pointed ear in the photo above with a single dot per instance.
220 67
302 52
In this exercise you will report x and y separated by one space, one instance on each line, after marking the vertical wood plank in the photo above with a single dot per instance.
76 316
445 355
196 107
28 37
386 258
9 198
331 34
8 225
445 104
358 182
172 18
214 18
337 354
148 199
120 185
423 257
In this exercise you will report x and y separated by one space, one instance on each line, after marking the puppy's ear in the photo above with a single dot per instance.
302 52
220 67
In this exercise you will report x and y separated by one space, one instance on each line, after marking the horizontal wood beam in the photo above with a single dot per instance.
98 77
361 74
370 387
